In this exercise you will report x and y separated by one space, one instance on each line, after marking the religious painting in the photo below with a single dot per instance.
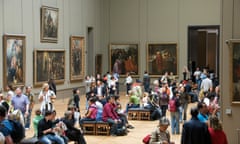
161 58
76 58
49 24
14 49
124 59
49 64
235 70
98 64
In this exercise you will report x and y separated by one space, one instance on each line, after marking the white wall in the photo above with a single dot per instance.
23 17
164 21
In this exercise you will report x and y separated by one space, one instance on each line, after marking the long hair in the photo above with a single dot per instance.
215 123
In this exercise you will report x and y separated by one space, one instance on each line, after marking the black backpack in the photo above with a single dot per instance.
18 131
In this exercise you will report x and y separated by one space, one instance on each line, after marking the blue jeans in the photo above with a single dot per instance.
113 129
49 138
175 122
28 119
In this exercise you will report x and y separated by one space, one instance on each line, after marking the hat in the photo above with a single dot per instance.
164 121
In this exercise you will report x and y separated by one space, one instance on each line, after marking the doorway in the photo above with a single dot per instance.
90 51
203 48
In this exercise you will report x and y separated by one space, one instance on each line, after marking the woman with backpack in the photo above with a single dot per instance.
173 107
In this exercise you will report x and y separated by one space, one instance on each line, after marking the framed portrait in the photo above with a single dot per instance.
49 64
235 70
76 58
49 24
124 59
14 50
161 58
98 63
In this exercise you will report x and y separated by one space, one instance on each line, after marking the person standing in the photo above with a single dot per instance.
146 81
52 85
28 93
116 77
45 97
21 102
195 131
129 82
216 132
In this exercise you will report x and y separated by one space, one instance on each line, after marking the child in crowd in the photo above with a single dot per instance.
36 119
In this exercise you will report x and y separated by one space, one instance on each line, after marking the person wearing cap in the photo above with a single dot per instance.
161 135
46 96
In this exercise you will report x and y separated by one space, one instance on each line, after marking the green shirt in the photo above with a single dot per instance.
36 119
134 99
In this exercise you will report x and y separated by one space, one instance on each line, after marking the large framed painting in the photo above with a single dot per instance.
49 64
14 49
76 58
49 24
98 63
235 71
124 59
161 58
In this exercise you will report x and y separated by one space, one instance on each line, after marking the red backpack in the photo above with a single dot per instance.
146 139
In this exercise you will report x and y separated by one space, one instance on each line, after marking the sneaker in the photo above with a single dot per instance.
130 127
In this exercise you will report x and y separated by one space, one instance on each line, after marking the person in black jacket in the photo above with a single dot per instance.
52 85
46 130
194 131
72 132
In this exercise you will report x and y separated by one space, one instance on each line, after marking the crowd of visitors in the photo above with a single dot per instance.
160 96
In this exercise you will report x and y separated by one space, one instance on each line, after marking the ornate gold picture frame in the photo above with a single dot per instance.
49 24
49 64
161 58
124 58
14 63
77 44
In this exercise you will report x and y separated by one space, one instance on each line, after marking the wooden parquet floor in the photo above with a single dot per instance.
135 136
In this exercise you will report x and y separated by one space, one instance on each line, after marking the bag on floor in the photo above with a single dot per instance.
146 139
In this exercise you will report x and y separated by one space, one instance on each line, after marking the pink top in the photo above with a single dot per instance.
93 110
